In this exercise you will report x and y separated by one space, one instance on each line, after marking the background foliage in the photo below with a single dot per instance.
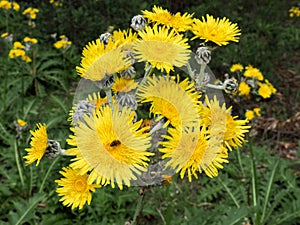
259 186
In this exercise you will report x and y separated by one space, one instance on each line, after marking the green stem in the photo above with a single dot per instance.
218 87
191 72
148 71
240 162
109 97
47 174
139 207
168 213
201 75
17 157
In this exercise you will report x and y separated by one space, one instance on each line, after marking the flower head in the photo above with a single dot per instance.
177 102
110 146
161 47
219 31
162 16
99 60
75 189
39 144
253 72
236 67
244 88
222 125
124 85
191 151
249 115
264 90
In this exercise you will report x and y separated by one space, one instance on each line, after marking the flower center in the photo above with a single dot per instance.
80 185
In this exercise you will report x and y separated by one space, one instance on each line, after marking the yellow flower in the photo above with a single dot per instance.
253 72
39 144
4 35
100 60
161 47
177 102
31 12
97 100
222 125
244 88
264 90
249 115
192 151
75 189
26 58
15 6
110 146
21 123
62 44
124 39
5 4
124 85
257 112
236 67
18 45
31 40
162 16
271 86
219 31
13 53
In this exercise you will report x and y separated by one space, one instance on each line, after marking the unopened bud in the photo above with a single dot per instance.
203 55
104 38
83 107
53 150
138 22
128 73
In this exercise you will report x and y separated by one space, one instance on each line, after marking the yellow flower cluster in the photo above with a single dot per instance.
62 43
110 144
19 49
31 12
253 82
250 114
294 11
56 3
4 4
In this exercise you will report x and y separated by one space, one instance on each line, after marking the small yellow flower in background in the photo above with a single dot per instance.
124 85
264 90
111 146
5 4
236 67
273 89
31 12
30 40
26 58
180 23
249 115
294 11
253 72
4 35
63 42
75 190
244 88
170 99
21 122
39 144
257 112
14 53
219 31
18 45
15 6
99 60
162 48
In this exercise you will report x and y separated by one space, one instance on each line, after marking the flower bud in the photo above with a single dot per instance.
138 22
128 73
104 38
83 107
53 150
203 55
